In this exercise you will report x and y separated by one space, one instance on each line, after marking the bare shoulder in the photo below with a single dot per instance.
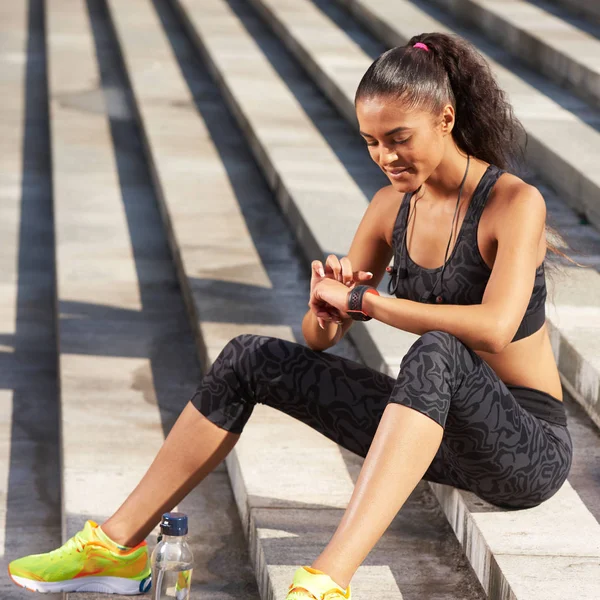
517 209
512 196
510 187
385 205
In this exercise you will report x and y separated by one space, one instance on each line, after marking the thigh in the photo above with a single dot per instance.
494 447
342 399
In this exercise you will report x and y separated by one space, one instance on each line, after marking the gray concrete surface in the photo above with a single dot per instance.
561 51
29 459
586 8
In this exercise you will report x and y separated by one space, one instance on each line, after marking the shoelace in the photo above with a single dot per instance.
75 543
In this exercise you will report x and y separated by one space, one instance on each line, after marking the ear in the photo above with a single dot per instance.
448 119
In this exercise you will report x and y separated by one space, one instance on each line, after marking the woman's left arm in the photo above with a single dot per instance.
491 325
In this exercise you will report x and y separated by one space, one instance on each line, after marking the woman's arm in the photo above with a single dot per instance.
474 324
369 251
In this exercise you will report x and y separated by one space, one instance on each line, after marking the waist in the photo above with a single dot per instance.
539 404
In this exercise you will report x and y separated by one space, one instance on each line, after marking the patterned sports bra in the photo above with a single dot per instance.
466 273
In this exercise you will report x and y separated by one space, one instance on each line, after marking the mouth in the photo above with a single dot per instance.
396 173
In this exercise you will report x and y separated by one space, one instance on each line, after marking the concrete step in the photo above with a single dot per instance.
515 554
553 46
589 9
29 458
240 273
558 124
127 358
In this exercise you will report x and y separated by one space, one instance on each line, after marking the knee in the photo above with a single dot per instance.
238 352
438 345
246 354
441 347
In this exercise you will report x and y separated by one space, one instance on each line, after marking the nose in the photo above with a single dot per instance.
387 156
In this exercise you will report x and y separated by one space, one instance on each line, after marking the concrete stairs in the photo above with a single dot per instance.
583 8
30 512
170 212
549 41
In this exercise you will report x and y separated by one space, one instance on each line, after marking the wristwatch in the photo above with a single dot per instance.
355 300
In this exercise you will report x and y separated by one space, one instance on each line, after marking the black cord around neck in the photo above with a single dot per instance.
441 277
400 272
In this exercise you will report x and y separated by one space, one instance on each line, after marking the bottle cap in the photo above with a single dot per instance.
174 523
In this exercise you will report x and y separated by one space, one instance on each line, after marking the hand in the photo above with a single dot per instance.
337 270
334 295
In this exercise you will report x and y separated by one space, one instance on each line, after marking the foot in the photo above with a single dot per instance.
89 562
312 584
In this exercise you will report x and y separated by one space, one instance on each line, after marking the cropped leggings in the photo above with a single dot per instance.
491 445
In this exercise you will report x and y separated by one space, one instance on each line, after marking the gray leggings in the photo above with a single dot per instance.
507 444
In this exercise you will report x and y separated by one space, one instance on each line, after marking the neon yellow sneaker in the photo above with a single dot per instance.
89 562
312 584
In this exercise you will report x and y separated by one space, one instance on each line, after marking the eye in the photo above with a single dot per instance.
393 142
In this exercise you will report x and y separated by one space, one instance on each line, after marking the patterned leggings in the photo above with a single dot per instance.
491 445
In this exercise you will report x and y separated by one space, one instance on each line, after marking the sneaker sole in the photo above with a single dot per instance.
103 585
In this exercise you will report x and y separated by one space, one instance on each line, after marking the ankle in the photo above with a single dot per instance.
119 535
341 580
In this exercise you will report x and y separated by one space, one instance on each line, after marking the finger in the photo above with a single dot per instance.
325 315
321 324
363 275
317 267
334 315
347 275
333 262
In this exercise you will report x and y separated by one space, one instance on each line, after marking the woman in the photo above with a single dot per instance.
477 403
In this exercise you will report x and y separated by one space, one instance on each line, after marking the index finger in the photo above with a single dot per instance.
347 275
317 267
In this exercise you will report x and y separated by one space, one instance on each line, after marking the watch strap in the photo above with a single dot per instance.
355 302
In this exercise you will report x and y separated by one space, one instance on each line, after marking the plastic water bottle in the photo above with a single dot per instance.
172 559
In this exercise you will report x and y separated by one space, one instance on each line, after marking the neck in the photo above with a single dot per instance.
444 182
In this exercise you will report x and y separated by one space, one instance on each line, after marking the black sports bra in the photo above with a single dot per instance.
466 273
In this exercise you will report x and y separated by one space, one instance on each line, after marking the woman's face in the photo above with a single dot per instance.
407 145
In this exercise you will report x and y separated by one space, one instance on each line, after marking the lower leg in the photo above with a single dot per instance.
192 450
403 447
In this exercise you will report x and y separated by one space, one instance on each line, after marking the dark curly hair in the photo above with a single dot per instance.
453 72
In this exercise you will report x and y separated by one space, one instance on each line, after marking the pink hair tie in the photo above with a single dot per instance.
421 45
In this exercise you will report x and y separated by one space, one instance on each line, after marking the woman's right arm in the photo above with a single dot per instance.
369 252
